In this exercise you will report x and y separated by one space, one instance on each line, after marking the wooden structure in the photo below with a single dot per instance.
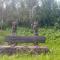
25 39
23 50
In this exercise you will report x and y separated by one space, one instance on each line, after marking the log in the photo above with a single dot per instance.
23 49
25 39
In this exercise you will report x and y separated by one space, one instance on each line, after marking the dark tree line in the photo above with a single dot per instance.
46 12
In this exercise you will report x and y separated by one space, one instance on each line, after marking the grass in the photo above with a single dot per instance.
26 57
52 41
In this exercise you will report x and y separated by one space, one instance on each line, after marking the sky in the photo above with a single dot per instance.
58 1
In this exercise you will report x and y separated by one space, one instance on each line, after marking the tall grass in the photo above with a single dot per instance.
52 41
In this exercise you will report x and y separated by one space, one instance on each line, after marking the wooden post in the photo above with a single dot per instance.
35 30
14 28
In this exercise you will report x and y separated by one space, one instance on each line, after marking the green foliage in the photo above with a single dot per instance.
23 11
52 41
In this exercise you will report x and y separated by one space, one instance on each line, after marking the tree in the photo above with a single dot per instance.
46 9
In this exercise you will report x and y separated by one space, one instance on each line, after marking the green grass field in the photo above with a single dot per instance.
52 41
